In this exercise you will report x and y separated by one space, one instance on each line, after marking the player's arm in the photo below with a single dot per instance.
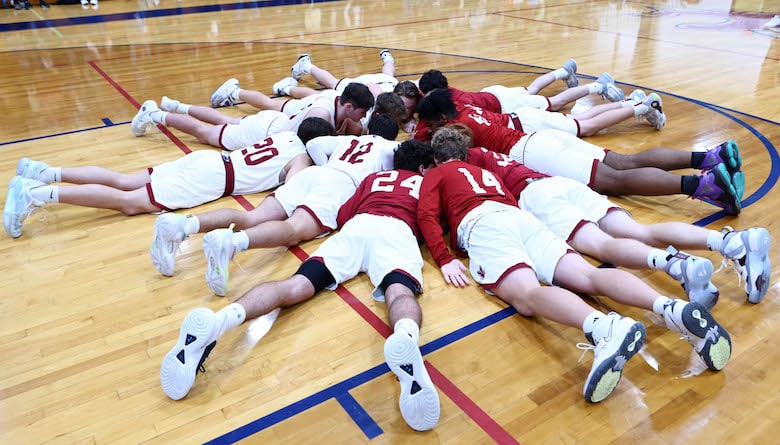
293 166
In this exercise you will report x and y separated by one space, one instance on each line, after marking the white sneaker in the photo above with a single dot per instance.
637 97
614 340
218 248
774 23
695 275
571 68
609 90
696 324
282 87
386 57
169 105
143 119
655 113
168 235
224 96
197 337
27 168
419 401
749 252
19 204
301 67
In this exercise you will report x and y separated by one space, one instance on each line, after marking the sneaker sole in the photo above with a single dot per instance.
177 376
723 180
164 263
758 254
10 212
606 377
419 400
216 281
716 351
698 286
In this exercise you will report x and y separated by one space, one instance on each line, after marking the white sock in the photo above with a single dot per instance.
240 241
594 88
656 259
50 174
590 321
560 73
183 108
408 326
659 303
714 240
46 194
191 225
234 314
640 109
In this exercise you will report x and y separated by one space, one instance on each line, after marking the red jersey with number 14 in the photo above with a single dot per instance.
454 189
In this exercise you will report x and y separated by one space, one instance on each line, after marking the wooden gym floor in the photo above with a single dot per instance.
86 318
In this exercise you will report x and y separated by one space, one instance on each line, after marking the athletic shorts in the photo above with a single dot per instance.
187 182
384 81
513 98
253 129
557 153
500 238
564 205
376 245
320 190
533 120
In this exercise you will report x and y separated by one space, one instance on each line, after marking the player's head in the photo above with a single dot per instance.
436 108
358 99
409 94
465 131
412 155
448 144
383 125
390 104
313 127
432 79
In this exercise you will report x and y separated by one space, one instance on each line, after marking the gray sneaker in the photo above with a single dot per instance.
609 90
225 95
571 68
695 323
143 119
749 252
694 273
655 113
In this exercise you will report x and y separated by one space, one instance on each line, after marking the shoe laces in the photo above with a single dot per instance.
206 353
585 347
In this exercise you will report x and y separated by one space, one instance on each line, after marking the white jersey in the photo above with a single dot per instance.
357 156
326 99
206 175
385 82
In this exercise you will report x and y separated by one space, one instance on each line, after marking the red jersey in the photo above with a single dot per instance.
514 174
486 101
491 130
391 193
453 189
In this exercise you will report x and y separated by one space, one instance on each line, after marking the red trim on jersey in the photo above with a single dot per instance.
230 175
593 167
284 105
491 286
313 215
150 193
579 134
516 121
221 132
336 87
549 104
576 229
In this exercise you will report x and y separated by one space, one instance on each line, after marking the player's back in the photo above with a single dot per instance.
357 156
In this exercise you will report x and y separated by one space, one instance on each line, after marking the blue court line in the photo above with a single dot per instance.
339 389
147 14
105 120
369 426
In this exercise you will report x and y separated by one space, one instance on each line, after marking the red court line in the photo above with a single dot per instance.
468 406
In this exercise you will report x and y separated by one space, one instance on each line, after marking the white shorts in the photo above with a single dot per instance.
253 129
188 181
564 205
533 120
500 239
384 81
319 190
376 245
556 153
513 98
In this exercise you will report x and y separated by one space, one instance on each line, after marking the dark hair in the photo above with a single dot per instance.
313 127
432 79
435 104
449 143
412 154
383 125
390 104
407 88
358 95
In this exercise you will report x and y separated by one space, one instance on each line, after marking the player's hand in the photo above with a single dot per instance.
410 126
455 273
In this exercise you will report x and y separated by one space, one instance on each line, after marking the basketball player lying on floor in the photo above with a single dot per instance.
378 236
510 252
197 178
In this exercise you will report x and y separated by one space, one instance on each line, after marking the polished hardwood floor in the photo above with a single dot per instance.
86 319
